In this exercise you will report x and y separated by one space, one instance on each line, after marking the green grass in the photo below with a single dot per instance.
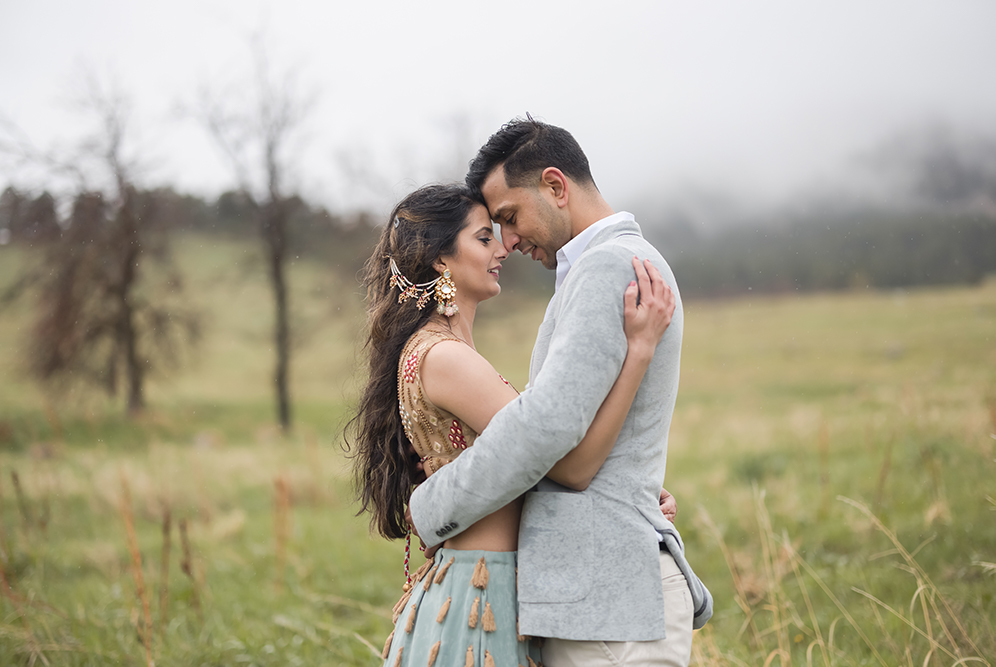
787 405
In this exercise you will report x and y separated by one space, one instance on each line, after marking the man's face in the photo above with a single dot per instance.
529 218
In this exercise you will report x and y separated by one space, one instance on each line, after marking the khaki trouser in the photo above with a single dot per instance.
673 651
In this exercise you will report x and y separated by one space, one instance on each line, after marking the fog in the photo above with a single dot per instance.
740 105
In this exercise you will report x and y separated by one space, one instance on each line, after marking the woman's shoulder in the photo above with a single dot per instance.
441 357
425 339
447 351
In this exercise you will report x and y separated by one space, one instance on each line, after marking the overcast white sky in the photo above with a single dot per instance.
754 98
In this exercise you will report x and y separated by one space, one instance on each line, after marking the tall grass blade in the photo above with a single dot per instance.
912 563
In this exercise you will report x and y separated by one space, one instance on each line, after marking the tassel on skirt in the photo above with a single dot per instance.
462 612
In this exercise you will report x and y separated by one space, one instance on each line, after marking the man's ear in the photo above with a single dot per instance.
554 183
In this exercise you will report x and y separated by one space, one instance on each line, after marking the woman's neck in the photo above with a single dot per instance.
461 325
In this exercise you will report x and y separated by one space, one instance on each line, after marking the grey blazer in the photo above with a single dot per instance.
588 561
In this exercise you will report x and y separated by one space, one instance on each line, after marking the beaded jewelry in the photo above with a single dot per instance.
421 292
445 293
443 287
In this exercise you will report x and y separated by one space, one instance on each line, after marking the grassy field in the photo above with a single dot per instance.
834 459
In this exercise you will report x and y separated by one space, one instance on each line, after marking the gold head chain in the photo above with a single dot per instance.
443 287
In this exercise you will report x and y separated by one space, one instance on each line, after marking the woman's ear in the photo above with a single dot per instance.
439 265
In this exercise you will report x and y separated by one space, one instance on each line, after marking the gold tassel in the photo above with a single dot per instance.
488 660
472 621
469 662
488 622
480 579
443 570
387 646
433 652
442 611
397 661
518 637
400 606
410 625
428 579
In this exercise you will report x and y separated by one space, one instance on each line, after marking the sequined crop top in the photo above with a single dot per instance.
437 435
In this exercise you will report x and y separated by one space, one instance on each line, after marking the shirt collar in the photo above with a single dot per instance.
572 250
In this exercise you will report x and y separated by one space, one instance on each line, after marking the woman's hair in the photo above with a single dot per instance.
422 227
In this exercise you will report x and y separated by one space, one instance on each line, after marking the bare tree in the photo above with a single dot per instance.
255 133
94 323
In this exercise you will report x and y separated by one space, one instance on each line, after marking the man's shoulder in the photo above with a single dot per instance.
619 246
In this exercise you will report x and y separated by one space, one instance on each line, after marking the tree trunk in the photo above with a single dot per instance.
274 234
128 335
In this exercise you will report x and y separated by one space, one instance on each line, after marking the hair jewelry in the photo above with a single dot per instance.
421 292
443 287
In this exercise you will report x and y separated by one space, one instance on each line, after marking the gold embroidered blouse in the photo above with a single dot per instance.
437 435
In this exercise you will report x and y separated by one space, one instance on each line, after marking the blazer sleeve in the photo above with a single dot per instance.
530 434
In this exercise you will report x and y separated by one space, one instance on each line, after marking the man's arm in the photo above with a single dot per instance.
529 435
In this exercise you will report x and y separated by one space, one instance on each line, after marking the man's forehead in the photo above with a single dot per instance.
500 198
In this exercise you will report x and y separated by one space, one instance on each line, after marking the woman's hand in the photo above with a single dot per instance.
646 322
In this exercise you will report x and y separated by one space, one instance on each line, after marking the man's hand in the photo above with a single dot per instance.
669 506
422 473
419 475
428 551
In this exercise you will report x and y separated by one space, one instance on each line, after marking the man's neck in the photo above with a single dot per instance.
591 208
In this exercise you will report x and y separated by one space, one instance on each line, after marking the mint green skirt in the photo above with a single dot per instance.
462 611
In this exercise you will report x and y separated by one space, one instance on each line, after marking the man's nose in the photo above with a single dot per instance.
509 240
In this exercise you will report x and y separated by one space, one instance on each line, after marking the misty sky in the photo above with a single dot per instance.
756 99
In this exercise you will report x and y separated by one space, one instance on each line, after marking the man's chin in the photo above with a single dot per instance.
538 255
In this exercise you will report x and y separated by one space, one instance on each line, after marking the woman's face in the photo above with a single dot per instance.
476 260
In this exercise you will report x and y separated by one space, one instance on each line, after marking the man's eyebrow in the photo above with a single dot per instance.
499 213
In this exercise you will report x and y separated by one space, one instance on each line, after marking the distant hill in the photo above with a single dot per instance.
875 250
860 247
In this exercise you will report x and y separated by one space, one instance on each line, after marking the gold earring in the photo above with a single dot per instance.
445 293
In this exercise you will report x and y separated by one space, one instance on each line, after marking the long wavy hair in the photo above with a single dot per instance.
423 227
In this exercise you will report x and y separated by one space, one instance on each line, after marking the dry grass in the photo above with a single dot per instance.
786 404
781 619
145 627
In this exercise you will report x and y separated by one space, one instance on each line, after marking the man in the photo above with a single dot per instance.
602 573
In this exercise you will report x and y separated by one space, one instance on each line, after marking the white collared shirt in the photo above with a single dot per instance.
572 250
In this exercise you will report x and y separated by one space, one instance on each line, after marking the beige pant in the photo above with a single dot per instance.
672 651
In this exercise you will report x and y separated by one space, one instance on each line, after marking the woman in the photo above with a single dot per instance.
430 392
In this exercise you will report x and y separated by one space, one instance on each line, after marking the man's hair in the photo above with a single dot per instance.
526 147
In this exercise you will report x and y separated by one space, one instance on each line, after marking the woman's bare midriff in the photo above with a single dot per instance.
498 531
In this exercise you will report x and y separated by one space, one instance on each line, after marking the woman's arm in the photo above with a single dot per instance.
458 379
644 325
